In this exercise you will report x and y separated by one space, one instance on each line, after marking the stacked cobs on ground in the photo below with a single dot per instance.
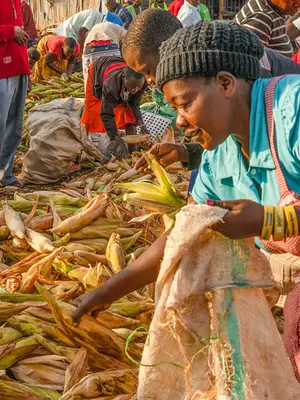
57 245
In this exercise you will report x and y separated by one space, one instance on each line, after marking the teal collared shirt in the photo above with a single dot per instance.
224 174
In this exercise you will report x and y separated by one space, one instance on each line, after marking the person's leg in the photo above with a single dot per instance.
11 119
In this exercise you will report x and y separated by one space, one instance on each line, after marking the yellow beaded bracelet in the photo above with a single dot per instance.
279 224
268 222
292 221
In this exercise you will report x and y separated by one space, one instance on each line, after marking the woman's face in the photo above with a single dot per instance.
205 107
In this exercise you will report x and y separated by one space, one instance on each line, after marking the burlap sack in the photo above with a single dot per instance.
213 335
56 141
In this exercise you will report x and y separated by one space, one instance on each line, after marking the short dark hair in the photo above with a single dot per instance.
131 74
70 42
33 54
149 30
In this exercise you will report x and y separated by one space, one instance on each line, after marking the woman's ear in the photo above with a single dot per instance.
227 83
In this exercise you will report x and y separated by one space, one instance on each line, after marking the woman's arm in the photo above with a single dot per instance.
71 64
50 60
140 273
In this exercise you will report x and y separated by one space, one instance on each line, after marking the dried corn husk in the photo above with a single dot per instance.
89 213
16 391
14 222
104 383
115 254
40 375
38 242
76 370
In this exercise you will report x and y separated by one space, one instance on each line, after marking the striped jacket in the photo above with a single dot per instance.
262 19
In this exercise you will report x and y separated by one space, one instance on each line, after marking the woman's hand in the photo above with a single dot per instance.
92 302
166 154
244 219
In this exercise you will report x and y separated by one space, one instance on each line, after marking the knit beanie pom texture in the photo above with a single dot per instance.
208 48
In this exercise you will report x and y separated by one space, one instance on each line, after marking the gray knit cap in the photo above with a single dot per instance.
208 48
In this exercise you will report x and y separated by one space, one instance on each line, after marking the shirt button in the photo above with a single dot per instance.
253 171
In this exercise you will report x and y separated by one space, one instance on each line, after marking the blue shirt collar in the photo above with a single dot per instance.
260 152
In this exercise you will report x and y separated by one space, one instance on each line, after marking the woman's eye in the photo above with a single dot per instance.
183 106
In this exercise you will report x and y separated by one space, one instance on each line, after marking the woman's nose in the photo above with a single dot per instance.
180 121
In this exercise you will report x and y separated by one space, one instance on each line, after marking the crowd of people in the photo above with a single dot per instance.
213 73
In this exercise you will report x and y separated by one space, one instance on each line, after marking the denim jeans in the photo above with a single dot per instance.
12 100
194 174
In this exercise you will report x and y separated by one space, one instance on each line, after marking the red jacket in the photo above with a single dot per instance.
175 6
13 57
29 24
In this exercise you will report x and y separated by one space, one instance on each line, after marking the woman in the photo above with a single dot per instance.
209 73
103 40
58 55
112 103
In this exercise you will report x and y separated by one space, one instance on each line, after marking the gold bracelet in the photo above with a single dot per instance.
292 221
279 224
268 222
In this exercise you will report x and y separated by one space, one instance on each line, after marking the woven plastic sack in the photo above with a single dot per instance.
213 335
160 107
56 141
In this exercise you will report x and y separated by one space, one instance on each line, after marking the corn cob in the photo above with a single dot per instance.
131 308
11 390
90 212
115 254
8 335
136 139
45 376
77 369
20 350
14 222
104 383
38 242
7 310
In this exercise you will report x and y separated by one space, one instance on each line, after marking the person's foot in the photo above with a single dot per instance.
13 185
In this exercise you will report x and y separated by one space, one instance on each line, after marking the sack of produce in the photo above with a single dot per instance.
56 141
213 335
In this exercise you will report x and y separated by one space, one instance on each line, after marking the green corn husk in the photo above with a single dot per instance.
10 390
68 352
19 351
17 298
21 205
8 310
131 308
99 231
104 383
46 394
8 335
98 245
4 232
130 241
32 326
56 197
162 198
